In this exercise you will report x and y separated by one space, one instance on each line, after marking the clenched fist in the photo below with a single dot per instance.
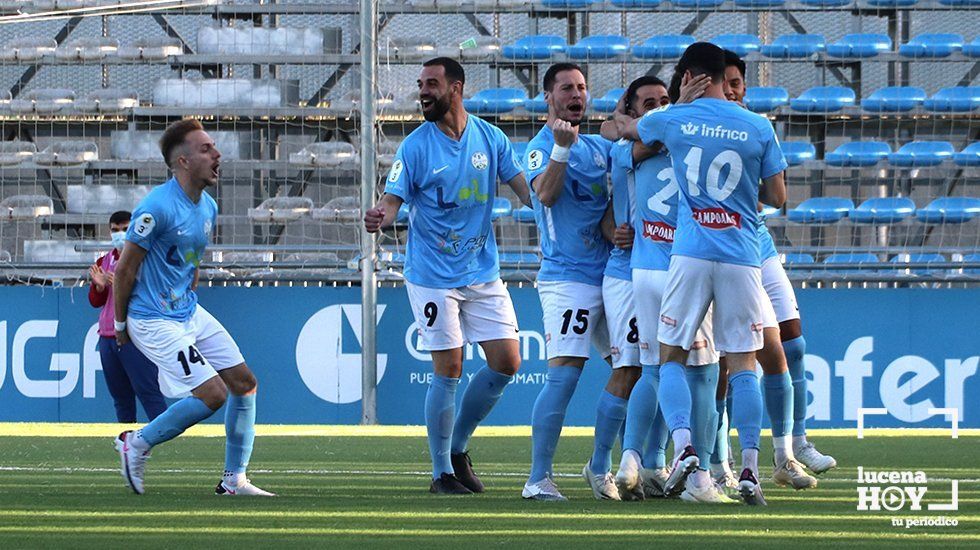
373 219
565 133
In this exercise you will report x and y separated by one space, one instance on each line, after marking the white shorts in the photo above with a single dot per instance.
648 291
779 290
739 303
573 319
617 300
447 318
187 353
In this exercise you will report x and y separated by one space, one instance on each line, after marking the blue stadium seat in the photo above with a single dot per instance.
822 99
523 215
520 149
798 152
973 48
697 3
858 153
759 3
949 210
797 259
536 105
960 3
607 103
856 258
919 258
537 46
883 210
892 3
636 3
565 4
894 99
600 46
821 210
932 45
763 99
853 46
501 208
742 44
922 153
826 3
970 156
794 46
519 258
973 258
958 99
664 46
495 100
402 215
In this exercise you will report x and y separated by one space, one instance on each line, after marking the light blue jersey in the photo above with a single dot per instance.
449 187
767 248
654 193
174 232
720 152
624 206
572 246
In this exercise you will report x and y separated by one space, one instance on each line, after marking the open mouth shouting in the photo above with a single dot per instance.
216 170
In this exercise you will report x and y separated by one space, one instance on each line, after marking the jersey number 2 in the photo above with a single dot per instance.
192 356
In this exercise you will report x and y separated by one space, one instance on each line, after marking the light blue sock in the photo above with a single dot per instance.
703 382
479 397
674 396
720 454
779 402
609 416
177 418
641 410
746 408
239 432
655 453
547 418
440 405
794 350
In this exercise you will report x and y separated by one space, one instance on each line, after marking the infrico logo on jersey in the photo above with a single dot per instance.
718 131
717 218
465 194
658 231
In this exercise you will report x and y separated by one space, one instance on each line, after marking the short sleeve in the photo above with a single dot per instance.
148 222
773 161
622 154
536 160
652 127
508 165
399 181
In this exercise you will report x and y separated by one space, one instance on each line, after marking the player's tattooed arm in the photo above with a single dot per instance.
383 215
122 284
773 191
519 185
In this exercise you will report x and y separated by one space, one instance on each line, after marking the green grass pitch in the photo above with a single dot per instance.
371 491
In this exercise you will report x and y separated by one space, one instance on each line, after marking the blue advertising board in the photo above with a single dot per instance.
906 350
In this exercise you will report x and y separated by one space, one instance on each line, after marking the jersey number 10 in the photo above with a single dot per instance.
715 191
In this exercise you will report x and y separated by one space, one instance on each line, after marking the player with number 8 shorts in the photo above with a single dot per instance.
447 172
720 152
156 306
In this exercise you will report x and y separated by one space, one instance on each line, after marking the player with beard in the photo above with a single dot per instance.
447 172
567 172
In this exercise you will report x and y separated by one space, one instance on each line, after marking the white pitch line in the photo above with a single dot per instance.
68 469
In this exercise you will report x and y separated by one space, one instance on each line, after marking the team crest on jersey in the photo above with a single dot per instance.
207 227
479 160
396 171
534 159
600 160
145 225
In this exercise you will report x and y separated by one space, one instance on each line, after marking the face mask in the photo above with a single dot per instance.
118 240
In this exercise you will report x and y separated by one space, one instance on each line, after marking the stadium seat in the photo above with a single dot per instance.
600 46
960 3
894 99
759 3
892 3
327 154
495 100
958 99
797 259
663 46
763 99
43 100
798 152
919 258
970 156
86 49
67 153
821 210
742 44
823 99
154 48
538 46
826 3
971 258
107 100
854 46
932 45
922 153
519 258
15 152
636 3
854 258
501 208
536 105
697 3
858 153
26 207
883 210
523 215
949 210
607 103
28 48
790 46
973 48
566 4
